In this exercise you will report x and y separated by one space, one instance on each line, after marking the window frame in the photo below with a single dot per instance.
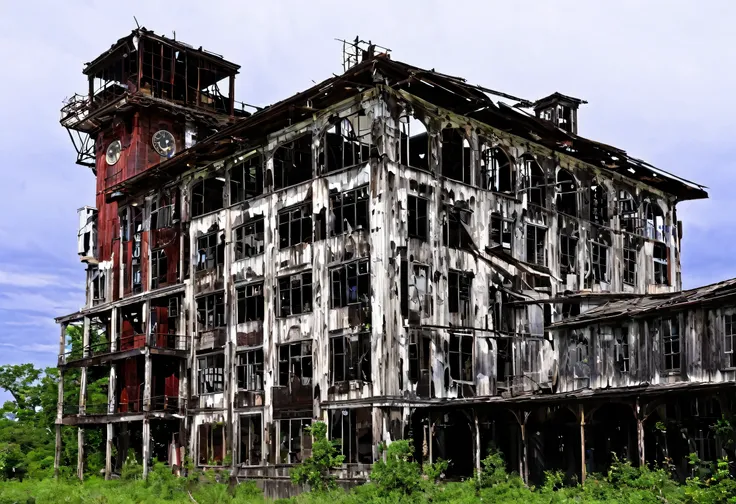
249 370
356 358
159 278
729 338
211 307
415 220
459 354
255 228
291 353
671 359
242 294
338 208
304 289
463 283
304 439
287 220
239 191
630 258
252 433
536 240
342 280
214 255
210 369
452 233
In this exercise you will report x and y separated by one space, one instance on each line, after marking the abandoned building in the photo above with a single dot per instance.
395 252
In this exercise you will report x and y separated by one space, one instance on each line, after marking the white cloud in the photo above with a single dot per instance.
31 279
33 347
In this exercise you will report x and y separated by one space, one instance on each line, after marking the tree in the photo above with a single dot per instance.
315 470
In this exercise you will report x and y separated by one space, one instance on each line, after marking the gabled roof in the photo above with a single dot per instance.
451 93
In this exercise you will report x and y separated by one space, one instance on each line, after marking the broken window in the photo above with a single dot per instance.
250 370
162 211
456 229
249 239
459 283
568 254
661 269
567 193
654 222
599 261
350 283
536 183
729 336
497 169
98 287
598 204
420 299
350 357
292 162
250 302
295 225
349 211
627 212
295 363
536 249
294 440
577 353
136 252
461 357
295 294
210 251
251 440
670 328
353 431
343 146
456 156
211 444
414 149
418 224
210 312
211 373
419 358
621 350
208 195
246 178
630 252
159 268
502 231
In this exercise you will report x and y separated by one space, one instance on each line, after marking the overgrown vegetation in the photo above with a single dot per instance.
27 454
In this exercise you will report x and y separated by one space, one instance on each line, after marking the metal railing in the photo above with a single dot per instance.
157 340
170 341
169 404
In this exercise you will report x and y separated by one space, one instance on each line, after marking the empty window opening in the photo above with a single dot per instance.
627 211
294 440
570 310
498 170
350 284
295 225
456 155
456 229
250 370
349 211
414 143
418 222
353 430
246 178
459 283
162 212
210 312
211 444
211 373
251 440
536 182
567 193
654 228
621 350
250 302
419 296
208 195
661 267
295 364
292 162
136 277
502 231
461 357
295 294
249 239
504 361
577 354
599 262
536 250
419 359
210 251
350 357
671 344
159 269
598 204
568 254
346 143
99 290
630 258
729 336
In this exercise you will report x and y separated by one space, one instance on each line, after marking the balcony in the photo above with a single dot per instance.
126 346
296 396
92 412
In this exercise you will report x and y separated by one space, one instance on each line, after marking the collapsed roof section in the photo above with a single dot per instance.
451 93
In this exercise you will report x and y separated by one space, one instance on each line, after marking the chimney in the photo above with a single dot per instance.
560 110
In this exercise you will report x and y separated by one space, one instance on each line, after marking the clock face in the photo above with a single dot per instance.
164 143
113 152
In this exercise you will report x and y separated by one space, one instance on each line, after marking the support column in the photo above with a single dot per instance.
80 453
146 446
640 417
108 451
581 416
521 418
60 401
57 453
147 370
477 447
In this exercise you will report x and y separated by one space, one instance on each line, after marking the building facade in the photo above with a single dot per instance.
391 251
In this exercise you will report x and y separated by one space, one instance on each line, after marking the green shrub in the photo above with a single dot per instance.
315 470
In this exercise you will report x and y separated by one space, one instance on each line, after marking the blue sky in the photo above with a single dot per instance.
658 77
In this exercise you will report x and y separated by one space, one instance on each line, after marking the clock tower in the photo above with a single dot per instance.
149 98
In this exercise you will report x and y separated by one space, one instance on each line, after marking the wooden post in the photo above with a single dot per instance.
477 447
146 446
60 401
232 95
57 453
523 462
640 417
80 453
147 370
108 451
581 415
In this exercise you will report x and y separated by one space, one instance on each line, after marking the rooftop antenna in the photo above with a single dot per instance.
357 51
136 23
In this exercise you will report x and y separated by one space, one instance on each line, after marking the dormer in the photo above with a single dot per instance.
561 110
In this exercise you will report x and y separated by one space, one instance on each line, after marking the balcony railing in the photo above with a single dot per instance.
164 403
166 341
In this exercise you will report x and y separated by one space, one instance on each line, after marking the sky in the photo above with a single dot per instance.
658 76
